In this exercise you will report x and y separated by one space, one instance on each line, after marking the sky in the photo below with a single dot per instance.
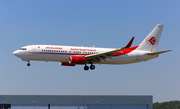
103 23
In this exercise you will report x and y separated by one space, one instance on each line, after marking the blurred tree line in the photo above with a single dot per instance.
167 105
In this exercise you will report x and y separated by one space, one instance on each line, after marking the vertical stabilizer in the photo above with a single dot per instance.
150 43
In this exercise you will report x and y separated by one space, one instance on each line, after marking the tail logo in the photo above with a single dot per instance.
152 40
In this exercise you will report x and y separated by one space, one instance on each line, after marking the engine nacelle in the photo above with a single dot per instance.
77 60
67 64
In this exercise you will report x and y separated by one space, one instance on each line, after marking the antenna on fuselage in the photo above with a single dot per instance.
93 46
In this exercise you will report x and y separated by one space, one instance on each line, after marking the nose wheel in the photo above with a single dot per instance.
28 64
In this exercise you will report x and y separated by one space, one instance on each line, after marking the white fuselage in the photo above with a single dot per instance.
73 55
62 53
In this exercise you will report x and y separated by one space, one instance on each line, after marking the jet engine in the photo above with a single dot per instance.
77 60
67 64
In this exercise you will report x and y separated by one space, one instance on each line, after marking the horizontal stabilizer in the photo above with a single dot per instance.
160 52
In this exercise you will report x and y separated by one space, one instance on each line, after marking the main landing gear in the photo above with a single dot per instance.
86 67
92 67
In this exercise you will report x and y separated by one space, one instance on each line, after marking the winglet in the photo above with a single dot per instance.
130 43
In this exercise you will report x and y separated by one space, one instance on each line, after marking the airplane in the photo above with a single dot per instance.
76 55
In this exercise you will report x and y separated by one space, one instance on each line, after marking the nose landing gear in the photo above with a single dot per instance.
28 64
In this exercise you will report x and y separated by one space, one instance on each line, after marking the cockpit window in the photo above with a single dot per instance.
22 48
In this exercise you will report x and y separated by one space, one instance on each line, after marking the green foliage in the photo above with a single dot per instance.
167 105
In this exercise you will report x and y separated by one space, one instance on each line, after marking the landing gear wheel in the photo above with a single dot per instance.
86 68
92 67
28 64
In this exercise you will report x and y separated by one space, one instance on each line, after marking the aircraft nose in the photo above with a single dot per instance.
15 53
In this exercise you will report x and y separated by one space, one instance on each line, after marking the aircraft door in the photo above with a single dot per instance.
34 52
137 56
34 48
39 51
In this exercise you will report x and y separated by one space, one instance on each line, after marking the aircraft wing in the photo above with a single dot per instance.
102 56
